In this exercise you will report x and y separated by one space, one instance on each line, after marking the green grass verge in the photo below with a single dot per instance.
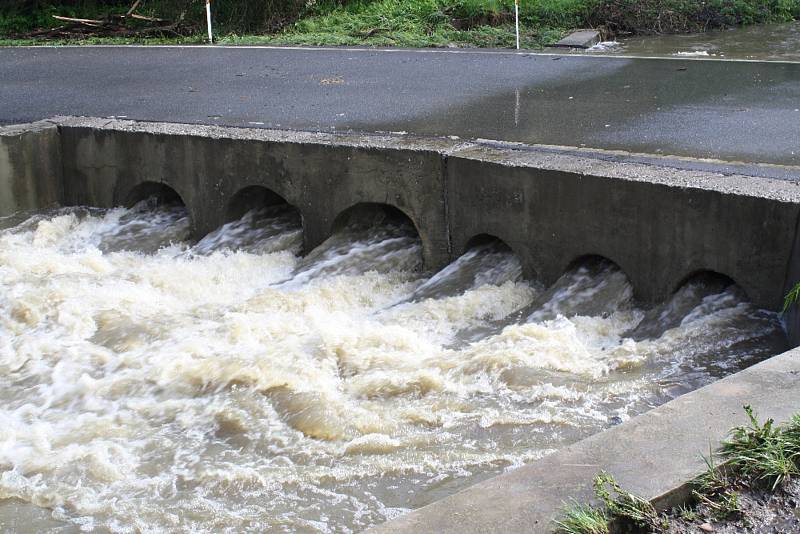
417 23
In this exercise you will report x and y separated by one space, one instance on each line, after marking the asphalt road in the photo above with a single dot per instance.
742 111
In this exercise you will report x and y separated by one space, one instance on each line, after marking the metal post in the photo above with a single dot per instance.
516 17
208 21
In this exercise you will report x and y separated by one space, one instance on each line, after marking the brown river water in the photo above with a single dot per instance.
152 384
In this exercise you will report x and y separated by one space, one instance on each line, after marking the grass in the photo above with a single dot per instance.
583 519
763 453
618 505
416 23
756 454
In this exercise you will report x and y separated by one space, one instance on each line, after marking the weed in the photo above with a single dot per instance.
686 513
582 519
791 298
762 452
624 505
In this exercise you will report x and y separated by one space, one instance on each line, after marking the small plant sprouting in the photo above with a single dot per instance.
791 297
762 452
714 489
582 519
618 504
623 504
686 513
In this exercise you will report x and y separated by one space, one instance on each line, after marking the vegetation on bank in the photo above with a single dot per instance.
754 456
414 23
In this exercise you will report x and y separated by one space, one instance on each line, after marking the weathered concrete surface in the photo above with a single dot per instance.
660 222
30 167
579 39
653 456
657 226
701 108
207 168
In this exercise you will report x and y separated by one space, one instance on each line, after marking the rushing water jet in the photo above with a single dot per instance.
147 381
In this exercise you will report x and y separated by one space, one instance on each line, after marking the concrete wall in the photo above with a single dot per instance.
658 234
659 221
30 167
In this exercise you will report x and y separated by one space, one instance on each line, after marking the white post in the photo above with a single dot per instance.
516 17
208 21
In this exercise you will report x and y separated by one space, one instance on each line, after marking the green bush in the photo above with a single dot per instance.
675 16
410 21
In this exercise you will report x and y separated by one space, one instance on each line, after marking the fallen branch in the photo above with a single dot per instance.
88 22
133 8
143 17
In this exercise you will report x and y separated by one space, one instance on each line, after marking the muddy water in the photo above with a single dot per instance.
150 384
760 42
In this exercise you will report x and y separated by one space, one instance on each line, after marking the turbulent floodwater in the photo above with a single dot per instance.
150 384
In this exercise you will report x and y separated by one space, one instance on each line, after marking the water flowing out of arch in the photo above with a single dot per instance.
154 382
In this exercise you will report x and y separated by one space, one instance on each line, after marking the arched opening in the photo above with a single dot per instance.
687 298
258 220
711 280
155 193
591 286
370 215
488 241
712 313
487 260
365 237
156 217
258 198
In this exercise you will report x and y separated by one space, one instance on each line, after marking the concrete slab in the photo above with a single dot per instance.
579 39
653 455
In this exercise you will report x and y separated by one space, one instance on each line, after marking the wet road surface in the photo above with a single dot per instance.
740 111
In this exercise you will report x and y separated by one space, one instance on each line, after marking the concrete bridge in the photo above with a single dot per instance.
661 220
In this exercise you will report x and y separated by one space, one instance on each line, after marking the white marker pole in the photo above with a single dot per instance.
516 17
208 21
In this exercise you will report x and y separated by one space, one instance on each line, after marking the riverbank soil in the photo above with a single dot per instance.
761 511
